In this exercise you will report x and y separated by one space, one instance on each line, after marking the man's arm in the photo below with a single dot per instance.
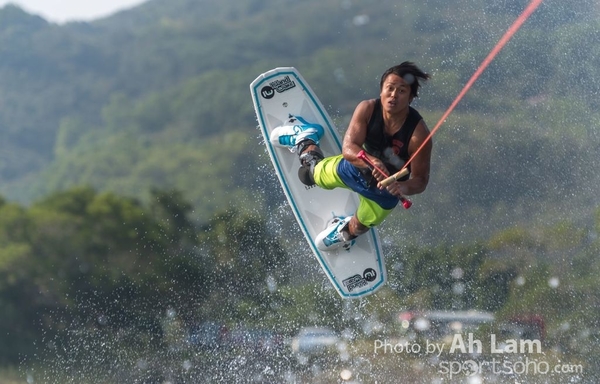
420 165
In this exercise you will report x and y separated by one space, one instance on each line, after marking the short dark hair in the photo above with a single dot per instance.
403 69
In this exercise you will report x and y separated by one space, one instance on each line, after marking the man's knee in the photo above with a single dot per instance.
305 174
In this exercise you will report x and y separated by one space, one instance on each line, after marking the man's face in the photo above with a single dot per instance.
395 94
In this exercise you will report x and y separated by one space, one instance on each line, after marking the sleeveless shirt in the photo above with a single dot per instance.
392 150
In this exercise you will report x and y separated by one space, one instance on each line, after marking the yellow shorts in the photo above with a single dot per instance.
369 212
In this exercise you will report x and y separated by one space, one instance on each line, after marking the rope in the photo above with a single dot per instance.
501 43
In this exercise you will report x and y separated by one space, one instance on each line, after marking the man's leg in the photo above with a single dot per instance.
310 155
355 228
368 215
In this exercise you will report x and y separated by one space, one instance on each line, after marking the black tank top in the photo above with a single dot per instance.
392 150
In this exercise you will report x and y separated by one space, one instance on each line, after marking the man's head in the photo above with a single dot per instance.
410 73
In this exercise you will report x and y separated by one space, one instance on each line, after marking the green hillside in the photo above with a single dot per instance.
157 97
137 200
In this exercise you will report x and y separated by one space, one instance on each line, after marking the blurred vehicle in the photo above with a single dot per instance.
440 324
208 335
255 339
313 342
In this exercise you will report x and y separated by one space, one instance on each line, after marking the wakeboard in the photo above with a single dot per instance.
278 95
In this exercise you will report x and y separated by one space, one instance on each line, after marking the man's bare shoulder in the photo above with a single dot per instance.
368 102
365 107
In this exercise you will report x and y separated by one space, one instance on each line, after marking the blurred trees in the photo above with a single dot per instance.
96 263
82 260
451 278
158 97
147 101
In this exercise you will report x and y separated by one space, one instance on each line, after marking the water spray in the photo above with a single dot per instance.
501 43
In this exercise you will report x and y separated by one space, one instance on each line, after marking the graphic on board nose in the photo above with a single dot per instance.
369 274
267 92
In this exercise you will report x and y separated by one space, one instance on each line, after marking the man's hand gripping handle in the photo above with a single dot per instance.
403 172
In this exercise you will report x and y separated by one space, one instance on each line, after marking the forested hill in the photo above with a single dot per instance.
157 97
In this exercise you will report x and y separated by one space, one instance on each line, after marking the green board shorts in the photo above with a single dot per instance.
374 204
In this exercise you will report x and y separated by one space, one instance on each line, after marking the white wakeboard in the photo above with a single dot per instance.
282 92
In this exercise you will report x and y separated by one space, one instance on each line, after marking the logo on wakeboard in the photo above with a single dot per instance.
358 281
267 92
282 85
369 274
353 282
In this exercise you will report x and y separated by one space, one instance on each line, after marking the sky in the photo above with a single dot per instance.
60 11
